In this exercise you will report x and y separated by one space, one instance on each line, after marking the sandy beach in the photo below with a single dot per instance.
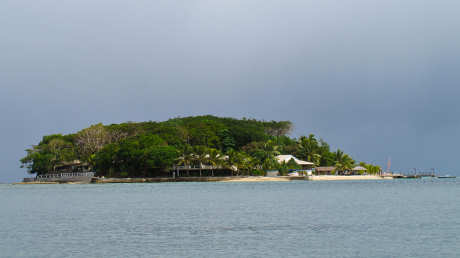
220 179
263 179
346 178
199 179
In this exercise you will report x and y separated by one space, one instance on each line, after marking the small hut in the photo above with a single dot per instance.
358 170
324 170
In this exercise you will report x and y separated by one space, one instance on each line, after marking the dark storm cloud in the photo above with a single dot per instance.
375 78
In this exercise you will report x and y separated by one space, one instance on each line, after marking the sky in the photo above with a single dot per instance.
377 79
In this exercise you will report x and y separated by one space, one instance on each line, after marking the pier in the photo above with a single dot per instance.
62 177
416 173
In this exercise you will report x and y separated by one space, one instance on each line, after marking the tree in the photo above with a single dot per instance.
116 135
91 140
60 151
186 158
245 162
106 161
343 162
241 161
37 162
145 148
232 160
283 168
277 129
137 156
371 169
270 149
270 163
51 151
291 164
326 156
200 155
227 141
214 158
160 157
308 148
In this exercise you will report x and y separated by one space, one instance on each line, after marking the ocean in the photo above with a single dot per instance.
388 218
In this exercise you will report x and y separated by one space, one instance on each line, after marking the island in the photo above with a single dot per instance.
198 148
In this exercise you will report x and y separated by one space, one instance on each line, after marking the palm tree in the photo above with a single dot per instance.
232 160
214 159
187 157
270 149
316 159
255 165
343 162
270 163
371 169
309 148
200 154
246 162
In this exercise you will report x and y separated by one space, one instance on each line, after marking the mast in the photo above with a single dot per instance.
389 165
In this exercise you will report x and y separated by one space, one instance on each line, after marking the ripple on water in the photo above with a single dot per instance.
410 218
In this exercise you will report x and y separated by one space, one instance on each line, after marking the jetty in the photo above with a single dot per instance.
71 177
416 173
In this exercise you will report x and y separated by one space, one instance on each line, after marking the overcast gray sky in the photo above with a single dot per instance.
375 78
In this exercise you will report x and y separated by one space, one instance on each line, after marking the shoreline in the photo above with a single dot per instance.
96 180
348 178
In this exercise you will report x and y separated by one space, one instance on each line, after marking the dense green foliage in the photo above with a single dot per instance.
146 149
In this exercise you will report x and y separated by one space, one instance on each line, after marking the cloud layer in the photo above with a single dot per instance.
378 79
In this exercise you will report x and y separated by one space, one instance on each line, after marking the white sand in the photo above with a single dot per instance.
258 179
337 178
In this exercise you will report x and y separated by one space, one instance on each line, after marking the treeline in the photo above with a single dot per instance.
150 148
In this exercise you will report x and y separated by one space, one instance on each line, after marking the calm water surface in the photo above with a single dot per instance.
399 218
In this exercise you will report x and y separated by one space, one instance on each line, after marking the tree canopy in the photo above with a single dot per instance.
150 148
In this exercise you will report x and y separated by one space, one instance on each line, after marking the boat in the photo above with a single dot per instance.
447 176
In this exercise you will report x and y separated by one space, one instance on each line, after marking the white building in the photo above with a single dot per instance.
305 165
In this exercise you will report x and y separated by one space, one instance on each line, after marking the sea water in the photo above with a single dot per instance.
389 218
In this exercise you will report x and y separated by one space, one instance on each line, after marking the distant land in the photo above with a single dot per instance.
200 145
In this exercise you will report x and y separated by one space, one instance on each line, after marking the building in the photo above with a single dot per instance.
72 167
195 168
324 170
66 172
358 170
306 166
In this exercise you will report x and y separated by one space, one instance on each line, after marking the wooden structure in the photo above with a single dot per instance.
358 170
199 170
324 170
83 177
75 166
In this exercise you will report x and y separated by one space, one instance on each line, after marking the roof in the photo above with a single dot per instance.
71 163
319 169
287 158
359 168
